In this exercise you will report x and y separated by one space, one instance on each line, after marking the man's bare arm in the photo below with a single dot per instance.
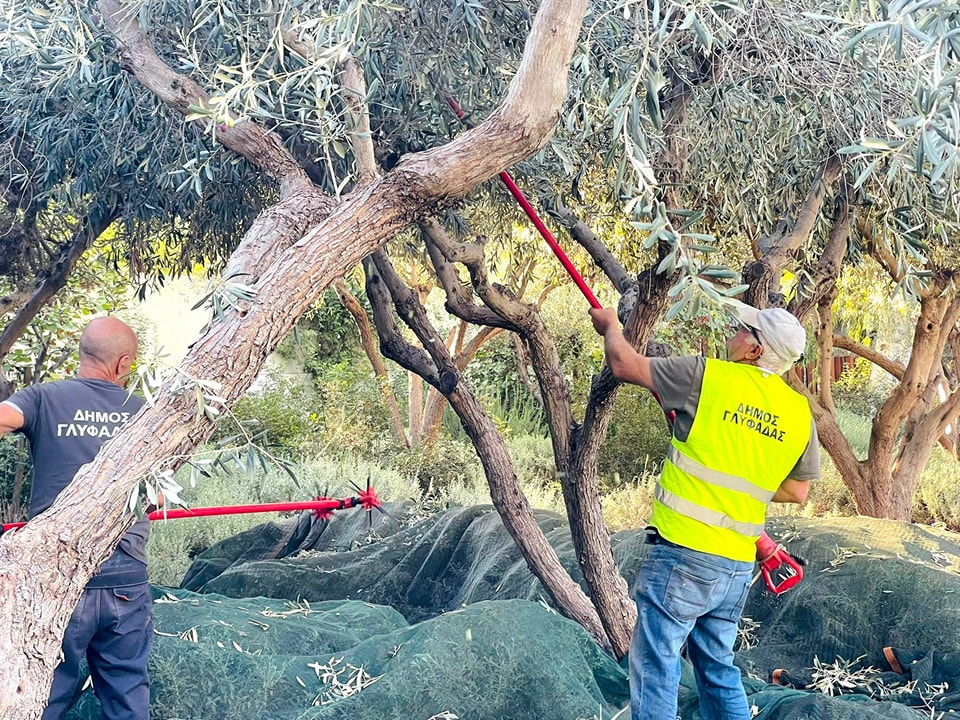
792 491
10 419
625 363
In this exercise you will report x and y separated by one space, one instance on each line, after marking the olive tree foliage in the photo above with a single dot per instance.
302 233
83 148
281 82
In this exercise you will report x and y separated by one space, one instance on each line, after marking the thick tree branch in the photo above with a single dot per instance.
358 120
276 226
55 277
824 334
931 331
763 275
824 276
821 294
414 316
179 92
942 415
440 248
392 344
893 367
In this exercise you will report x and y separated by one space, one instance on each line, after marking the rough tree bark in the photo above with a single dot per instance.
44 567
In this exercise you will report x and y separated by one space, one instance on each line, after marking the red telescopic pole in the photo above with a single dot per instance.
535 219
322 507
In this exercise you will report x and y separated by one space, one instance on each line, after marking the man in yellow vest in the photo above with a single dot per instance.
742 438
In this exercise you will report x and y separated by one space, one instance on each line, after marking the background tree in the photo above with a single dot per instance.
825 133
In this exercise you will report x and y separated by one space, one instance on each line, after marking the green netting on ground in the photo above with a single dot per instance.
242 659
871 584
422 566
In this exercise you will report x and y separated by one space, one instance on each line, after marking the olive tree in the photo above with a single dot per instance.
302 232
825 132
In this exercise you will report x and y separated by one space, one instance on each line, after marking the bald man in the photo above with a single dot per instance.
66 423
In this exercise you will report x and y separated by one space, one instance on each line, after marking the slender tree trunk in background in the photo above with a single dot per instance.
414 409
22 460
369 345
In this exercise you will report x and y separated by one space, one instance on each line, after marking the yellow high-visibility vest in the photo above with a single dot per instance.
748 434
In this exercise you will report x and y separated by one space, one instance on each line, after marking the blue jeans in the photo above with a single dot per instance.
687 596
113 629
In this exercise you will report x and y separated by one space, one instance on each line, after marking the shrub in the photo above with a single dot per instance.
638 435
282 410
353 420
533 461
856 393
629 505
434 467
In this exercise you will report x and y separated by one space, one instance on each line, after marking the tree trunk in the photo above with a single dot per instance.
383 287
44 567
22 460
518 518
415 410
642 302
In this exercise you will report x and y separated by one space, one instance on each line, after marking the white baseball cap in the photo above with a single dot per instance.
780 332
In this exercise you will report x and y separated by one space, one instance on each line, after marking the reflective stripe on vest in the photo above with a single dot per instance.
704 515
715 477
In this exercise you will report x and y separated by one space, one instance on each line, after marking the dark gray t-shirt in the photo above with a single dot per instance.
678 381
66 423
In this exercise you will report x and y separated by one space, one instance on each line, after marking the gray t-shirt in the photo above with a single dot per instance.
678 381
66 423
